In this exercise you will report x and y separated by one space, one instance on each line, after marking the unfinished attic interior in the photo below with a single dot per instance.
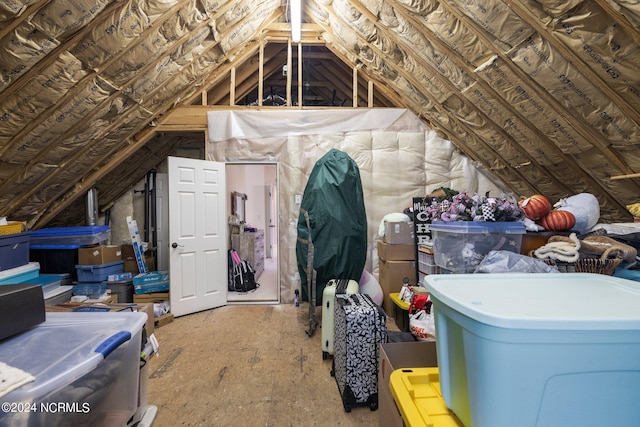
509 98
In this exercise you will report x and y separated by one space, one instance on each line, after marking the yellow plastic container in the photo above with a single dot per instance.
416 392
12 227
400 312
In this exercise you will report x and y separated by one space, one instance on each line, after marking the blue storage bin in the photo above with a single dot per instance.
14 250
83 235
99 272
89 289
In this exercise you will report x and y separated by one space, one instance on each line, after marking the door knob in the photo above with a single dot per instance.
175 245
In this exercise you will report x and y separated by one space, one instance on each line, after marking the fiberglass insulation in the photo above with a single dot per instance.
398 158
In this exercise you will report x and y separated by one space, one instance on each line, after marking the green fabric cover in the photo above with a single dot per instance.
338 223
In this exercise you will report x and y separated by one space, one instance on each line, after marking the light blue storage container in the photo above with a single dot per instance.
20 274
541 350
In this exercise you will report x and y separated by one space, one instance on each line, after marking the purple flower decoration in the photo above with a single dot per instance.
465 207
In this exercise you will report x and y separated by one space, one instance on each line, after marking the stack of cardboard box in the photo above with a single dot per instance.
397 256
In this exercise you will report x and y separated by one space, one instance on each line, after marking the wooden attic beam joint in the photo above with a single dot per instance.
78 153
239 54
620 19
300 85
453 134
584 69
65 200
627 176
15 22
80 84
261 72
232 86
238 49
447 84
289 67
310 33
355 86
582 128
250 78
370 94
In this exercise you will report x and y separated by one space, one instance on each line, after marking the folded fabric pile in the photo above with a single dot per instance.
12 378
571 249
560 250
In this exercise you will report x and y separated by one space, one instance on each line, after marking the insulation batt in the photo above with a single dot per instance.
398 157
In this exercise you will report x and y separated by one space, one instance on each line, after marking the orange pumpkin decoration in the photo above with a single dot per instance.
558 221
535 207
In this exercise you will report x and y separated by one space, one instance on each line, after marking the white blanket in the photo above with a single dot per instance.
11 378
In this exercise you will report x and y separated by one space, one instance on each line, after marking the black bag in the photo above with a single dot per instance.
244 279
231 271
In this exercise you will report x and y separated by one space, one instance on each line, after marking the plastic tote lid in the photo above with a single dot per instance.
65 347
571 301
505 227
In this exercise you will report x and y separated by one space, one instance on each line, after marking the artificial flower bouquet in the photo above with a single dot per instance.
466 207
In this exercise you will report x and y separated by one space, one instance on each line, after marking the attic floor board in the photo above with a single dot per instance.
250 365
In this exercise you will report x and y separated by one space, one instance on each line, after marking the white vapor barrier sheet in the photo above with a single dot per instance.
398 156
224 125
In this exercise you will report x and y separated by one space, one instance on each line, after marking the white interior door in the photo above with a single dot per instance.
197 235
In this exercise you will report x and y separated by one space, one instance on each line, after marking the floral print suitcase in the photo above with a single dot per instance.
360 328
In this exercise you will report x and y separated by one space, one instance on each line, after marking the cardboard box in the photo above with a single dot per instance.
131 265
163 320
391 275
399 233
102 254
397 356
396 252
151 298
102 307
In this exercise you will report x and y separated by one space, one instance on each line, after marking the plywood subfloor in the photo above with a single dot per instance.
249 365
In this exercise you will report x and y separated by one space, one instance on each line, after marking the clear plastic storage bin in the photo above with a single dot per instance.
459 246
81 235
86 368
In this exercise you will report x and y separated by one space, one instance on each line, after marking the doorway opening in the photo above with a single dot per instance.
257 183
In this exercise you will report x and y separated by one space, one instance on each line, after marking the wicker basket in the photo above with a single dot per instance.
588 265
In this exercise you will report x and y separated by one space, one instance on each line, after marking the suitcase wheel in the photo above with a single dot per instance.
325 355
373 406
347 407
